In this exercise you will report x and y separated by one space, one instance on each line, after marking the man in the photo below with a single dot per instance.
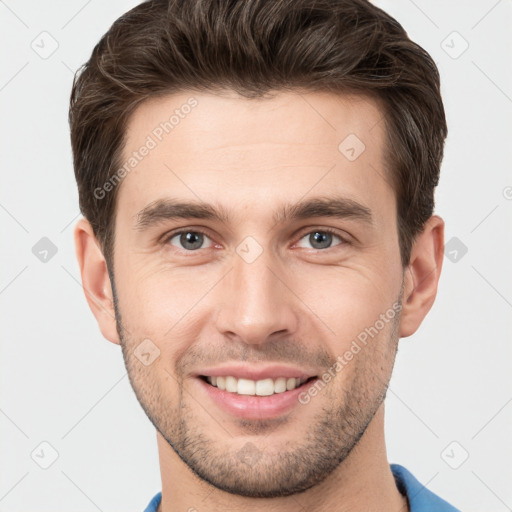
257 181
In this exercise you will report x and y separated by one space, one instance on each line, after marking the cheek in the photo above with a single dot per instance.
163 305
358 307
160 298
347 299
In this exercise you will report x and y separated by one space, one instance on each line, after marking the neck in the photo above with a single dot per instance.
363 481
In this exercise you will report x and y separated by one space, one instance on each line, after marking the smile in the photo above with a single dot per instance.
263 387
254 399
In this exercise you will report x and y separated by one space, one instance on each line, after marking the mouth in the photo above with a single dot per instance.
250 387
253 394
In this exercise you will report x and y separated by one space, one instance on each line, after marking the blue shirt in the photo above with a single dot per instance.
420 498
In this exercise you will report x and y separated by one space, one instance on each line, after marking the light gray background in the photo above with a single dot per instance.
63 384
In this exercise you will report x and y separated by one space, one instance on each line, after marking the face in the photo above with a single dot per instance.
255 246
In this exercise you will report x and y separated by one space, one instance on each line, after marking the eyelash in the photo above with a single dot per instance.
344 241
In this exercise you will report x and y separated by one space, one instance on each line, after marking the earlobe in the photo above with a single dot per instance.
95 279
421 277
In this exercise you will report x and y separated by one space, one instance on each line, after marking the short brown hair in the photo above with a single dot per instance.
256 47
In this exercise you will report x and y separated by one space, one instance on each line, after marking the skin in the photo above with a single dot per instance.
295 303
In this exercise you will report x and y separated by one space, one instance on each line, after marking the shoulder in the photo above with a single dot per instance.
153 504
419 497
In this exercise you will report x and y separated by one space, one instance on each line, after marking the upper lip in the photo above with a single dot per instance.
245 371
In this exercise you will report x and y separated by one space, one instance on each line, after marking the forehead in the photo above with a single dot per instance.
252 153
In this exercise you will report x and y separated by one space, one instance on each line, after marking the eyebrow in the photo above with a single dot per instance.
162 210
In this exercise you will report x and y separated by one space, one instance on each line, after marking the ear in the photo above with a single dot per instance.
422 276
95 279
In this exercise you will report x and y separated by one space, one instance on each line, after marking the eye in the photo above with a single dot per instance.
188 240
321 239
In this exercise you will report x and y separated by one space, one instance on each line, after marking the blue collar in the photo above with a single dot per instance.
419 497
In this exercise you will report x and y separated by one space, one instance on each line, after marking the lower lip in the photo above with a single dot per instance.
255 407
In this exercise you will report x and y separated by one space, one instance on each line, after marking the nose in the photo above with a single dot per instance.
257 302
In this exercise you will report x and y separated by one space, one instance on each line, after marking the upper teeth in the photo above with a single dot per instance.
263 387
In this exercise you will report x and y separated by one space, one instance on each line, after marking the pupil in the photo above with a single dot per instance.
324 239
195 239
